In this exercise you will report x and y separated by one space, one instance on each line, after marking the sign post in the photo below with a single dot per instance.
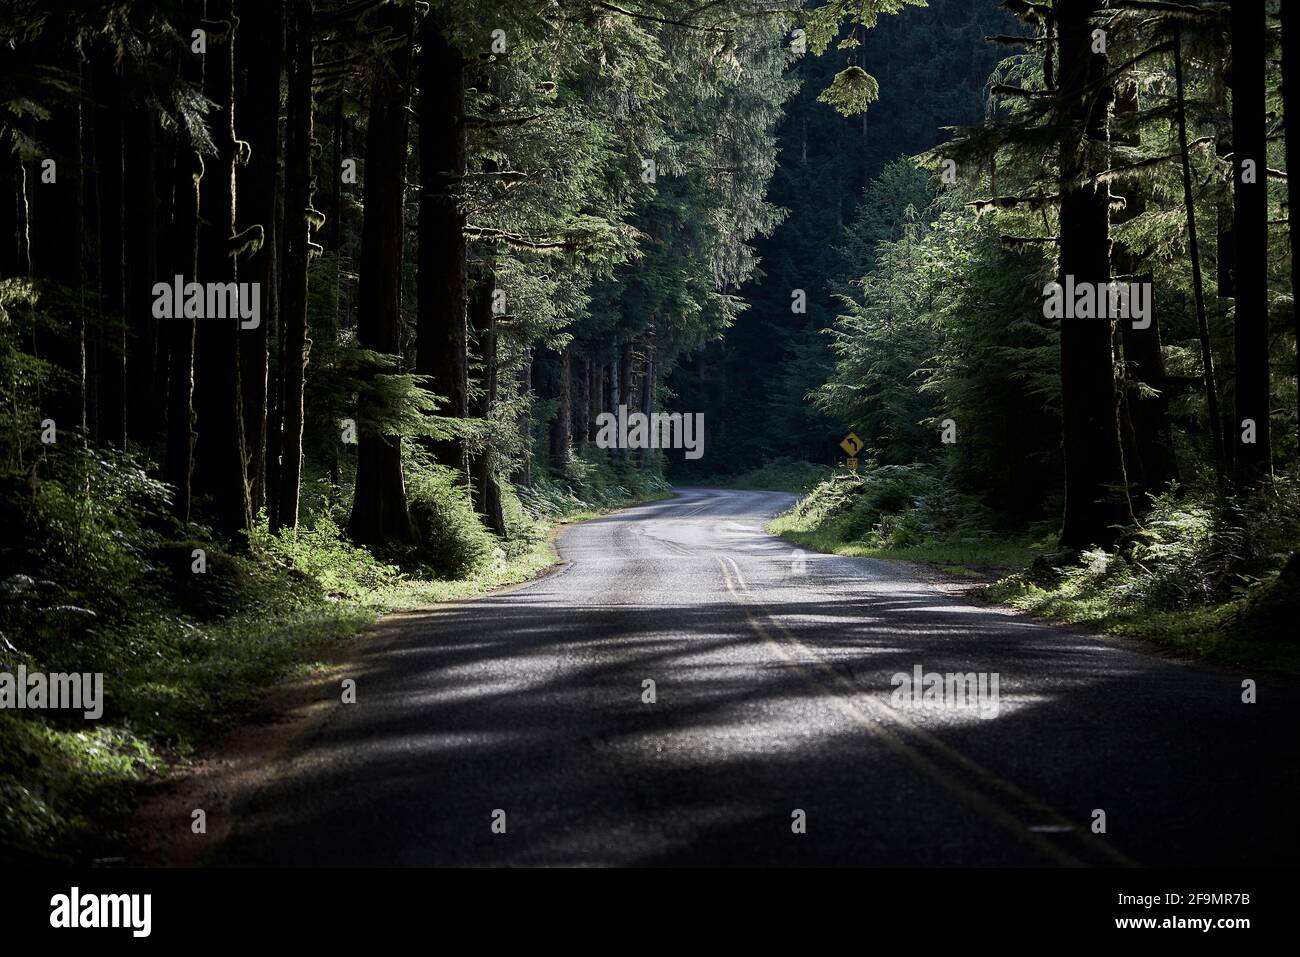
852 445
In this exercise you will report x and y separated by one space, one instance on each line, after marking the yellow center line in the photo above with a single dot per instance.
885 722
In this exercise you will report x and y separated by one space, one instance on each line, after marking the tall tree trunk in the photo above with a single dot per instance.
12 198
1291 110
1096 488
182 331
625 392
523 473
188 170
219 464
1250 231
297 255
57 225
1224 243
626 395
1149 457
110 338
141 242
561 424
335 223
580 385
1198 286
259 110
595 397
648 389
441 344
485 490
379 512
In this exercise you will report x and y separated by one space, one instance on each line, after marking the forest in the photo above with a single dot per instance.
310 311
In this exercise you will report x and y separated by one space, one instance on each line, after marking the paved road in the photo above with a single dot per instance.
773 695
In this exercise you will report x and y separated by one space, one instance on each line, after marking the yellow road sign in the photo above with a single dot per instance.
852 463
852 444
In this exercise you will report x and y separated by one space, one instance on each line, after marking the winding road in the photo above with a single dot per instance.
773 692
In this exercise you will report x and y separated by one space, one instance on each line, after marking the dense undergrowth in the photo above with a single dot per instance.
781 475
1217 581
97 577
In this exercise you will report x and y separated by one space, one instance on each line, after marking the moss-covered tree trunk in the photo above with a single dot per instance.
297 255
181 331
258 56
219 465
1251 436
1291 108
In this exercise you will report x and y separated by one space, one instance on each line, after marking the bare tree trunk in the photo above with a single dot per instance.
648 389
379 512
625 392
1198 287
1149 459
109 188
259 108
1096 488
1223 149
441 343
12 196
595 397
297 256
485 490
188 173
219 465
523 474
581 387
141 243
560 425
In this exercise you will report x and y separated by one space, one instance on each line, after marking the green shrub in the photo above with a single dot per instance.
453 542
896 506
319 553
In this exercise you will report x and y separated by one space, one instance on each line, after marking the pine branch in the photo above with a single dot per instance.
649 16
1203 12
1014 41
1014 242
515 239
482 122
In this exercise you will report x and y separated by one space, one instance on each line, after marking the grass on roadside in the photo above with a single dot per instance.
1189 580
970 560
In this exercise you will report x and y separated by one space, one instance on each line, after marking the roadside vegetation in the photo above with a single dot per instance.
778 475
1215 582
184 653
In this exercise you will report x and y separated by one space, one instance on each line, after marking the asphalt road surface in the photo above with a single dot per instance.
774 694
